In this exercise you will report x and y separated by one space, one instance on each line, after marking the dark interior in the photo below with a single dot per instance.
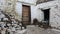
46 15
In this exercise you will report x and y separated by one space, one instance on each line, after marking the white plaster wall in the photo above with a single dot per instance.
2 4
54 12
55 16
46 5
28 1
19 9
36 13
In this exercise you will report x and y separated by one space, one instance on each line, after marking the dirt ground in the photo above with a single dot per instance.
37 30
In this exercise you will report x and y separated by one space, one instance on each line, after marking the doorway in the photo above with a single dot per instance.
26 15
46 15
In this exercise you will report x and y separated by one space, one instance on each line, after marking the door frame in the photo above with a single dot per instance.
48 14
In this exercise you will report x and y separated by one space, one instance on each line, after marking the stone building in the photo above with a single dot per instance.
27 10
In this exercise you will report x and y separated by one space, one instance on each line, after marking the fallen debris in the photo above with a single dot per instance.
9 25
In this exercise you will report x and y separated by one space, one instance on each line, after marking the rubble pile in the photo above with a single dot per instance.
8 24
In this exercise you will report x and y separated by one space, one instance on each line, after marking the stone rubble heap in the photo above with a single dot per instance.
9 25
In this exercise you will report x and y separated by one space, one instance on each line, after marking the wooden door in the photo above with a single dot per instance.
26 15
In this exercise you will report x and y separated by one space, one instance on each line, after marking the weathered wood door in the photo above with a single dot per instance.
26 15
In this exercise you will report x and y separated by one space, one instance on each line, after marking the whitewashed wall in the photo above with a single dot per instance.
36 13
28 1
55 15
2 4
54 12
19 9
